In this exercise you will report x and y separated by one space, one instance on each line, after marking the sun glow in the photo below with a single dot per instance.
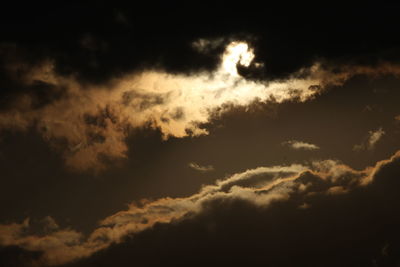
236 53
196 97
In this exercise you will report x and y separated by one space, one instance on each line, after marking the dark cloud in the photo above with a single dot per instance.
75 76
14 256
102 42
16 79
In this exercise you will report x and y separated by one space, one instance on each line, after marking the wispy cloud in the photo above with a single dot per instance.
371 140
200 168
300 145
207 45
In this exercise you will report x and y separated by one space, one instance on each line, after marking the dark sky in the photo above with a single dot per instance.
126 140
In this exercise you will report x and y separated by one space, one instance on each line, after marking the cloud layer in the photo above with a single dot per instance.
260 187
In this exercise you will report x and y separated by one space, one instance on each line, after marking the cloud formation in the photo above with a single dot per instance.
319 221
207 46
370 142
83 86
260 187
89 123
298 145
200 168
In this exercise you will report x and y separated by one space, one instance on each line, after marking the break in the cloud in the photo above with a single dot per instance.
260 187
370 143
300 145
200 168
89 123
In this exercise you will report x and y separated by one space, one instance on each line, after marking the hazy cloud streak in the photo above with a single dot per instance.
200 168
298 145
370 143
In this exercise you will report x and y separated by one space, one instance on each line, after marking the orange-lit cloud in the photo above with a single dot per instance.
94 120
261 186
89 123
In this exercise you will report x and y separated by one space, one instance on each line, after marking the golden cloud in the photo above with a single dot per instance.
89 123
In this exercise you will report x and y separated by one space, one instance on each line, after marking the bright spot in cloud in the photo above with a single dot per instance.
236 53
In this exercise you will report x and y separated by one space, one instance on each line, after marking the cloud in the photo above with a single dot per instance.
58 245
200 168
370 143
374 137
260 187
50 224
298 145
336 190
355 227
131 48
206 46
89 123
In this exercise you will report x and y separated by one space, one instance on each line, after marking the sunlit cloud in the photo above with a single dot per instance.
299 145
89 124
94 120
236 53
200 168
336 190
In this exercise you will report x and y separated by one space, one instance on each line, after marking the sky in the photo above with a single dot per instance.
199 134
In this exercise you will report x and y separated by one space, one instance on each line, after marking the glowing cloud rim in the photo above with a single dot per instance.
95 120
